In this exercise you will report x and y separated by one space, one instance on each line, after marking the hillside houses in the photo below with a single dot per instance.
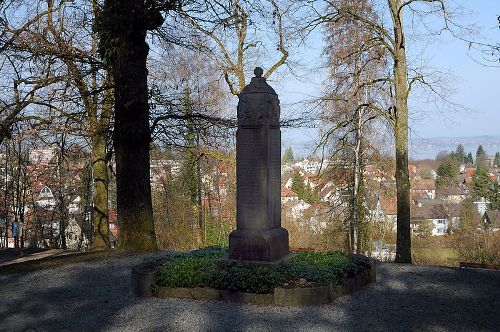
452 194
47 200
382 210
325 199
423 189
467 171
161 169
442 217
433 210
306 165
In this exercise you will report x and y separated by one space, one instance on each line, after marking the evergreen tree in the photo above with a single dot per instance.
304 192
469 159
447 173
460 153
480 155
192 160
310 196
494 197
497 159
288 156
298 185
481 182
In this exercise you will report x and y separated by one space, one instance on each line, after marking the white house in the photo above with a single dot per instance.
442 216
309 166
482 205
46 198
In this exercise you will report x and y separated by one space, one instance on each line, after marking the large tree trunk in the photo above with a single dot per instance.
403 241
131 133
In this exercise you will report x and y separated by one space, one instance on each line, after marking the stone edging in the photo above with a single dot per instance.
142 277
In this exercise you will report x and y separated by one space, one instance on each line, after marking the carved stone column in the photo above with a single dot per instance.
259 235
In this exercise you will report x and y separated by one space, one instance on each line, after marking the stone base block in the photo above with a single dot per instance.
142 278
252 245
291 297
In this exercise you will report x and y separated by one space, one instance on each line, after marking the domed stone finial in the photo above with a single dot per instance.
258 71
257 85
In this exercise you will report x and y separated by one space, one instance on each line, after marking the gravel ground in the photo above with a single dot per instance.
96 297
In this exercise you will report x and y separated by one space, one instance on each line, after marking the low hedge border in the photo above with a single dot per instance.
145 277
316 295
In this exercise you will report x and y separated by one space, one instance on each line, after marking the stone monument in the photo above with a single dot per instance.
258 236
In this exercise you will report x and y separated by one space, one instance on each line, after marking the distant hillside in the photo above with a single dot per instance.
428 148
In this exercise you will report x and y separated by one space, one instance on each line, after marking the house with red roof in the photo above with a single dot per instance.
288 195
425 188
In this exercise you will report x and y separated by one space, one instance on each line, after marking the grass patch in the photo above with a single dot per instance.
205 268
435 250
436 256
61 260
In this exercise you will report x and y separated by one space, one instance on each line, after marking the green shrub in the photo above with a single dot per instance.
205 268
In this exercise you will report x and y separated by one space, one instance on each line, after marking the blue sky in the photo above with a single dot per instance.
477 86
471 85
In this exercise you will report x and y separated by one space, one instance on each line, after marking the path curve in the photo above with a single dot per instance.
96 296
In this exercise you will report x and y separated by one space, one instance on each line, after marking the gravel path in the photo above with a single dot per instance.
96 297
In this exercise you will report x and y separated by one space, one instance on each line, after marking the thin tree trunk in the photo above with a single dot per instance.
357 167
63 211
403 241
6 237
198 192
100 200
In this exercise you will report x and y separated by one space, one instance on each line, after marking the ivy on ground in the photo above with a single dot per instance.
206 268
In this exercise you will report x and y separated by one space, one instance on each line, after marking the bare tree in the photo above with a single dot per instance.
189 117
354 61
234 32
387 30
80 89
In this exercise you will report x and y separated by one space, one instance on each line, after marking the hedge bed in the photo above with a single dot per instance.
205 274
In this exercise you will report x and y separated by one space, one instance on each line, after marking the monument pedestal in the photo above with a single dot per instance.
259 237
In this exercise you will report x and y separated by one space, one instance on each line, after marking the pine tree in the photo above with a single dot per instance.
192 167
447 173
460 153
481 182
469 159
495 197
497 159
480 155
298 185
288 156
